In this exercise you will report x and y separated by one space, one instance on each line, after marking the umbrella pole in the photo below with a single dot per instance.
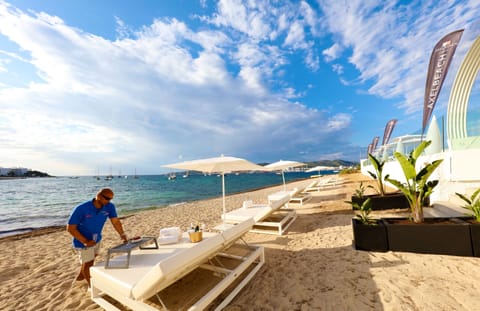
223 195
283 177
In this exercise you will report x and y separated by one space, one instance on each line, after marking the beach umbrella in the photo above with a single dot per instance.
282 166
220 165
320 168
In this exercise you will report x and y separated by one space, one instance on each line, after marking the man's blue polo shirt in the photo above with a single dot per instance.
90 220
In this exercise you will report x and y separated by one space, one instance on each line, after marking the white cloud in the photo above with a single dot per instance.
167 89
339 122
148 96
332 52
296 36
338 68
390 46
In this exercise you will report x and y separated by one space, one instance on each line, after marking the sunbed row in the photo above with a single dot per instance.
324 183
152 271
154 274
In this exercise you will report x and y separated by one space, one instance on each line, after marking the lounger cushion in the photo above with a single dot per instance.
231 234
256 212
171 267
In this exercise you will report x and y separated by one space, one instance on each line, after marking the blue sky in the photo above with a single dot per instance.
125 85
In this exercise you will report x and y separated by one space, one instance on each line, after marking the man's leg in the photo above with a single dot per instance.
87 256
86 271
80 275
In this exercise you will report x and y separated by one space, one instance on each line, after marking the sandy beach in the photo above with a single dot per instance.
312 267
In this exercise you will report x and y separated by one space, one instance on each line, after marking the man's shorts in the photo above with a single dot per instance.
88 254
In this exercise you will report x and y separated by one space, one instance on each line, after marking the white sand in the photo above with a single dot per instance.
312 267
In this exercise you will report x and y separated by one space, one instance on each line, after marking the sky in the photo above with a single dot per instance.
91 87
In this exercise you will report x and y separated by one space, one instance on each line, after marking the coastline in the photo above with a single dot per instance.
312 267
34 231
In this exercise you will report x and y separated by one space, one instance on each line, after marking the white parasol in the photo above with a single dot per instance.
320 168
282 166
220 165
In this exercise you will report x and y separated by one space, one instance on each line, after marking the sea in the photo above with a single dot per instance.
32 203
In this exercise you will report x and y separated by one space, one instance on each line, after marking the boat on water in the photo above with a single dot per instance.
172 176
109 176
458 146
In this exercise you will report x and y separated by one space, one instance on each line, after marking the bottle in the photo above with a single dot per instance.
197 228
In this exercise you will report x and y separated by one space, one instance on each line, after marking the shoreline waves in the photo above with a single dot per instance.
312 267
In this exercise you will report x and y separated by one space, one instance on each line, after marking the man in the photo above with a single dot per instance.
85 225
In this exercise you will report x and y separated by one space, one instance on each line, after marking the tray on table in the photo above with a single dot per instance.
127 249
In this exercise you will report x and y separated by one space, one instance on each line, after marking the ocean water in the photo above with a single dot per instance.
32 203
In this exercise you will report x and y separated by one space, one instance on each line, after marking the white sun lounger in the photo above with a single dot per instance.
298 196
324 184
266 216
153 271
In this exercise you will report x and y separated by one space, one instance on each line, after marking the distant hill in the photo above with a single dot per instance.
16 174
332 163
335 163
36 174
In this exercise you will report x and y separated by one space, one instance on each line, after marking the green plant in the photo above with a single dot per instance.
364 212
473 203
417 187
378 175
360 191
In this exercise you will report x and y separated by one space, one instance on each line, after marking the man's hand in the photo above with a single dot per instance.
90 243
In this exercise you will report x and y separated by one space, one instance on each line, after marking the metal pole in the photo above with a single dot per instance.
223 195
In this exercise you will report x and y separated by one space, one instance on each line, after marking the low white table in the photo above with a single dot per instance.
127 249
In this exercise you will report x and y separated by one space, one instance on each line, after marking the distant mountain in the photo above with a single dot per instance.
335 163
36 174
332 163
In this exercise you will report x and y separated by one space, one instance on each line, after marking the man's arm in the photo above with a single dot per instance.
72 229
117 224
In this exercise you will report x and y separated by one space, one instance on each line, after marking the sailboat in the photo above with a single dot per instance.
185 175
172 176
135 176
109 177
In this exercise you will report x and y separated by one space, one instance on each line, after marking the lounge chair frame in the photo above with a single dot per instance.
274 215
233 278
279 220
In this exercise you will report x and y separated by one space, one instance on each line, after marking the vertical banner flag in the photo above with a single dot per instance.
370 148
388 131
374 143
437 70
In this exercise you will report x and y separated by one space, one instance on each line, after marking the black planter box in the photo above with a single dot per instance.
444 236
474 234
369 237
387 201
395 200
